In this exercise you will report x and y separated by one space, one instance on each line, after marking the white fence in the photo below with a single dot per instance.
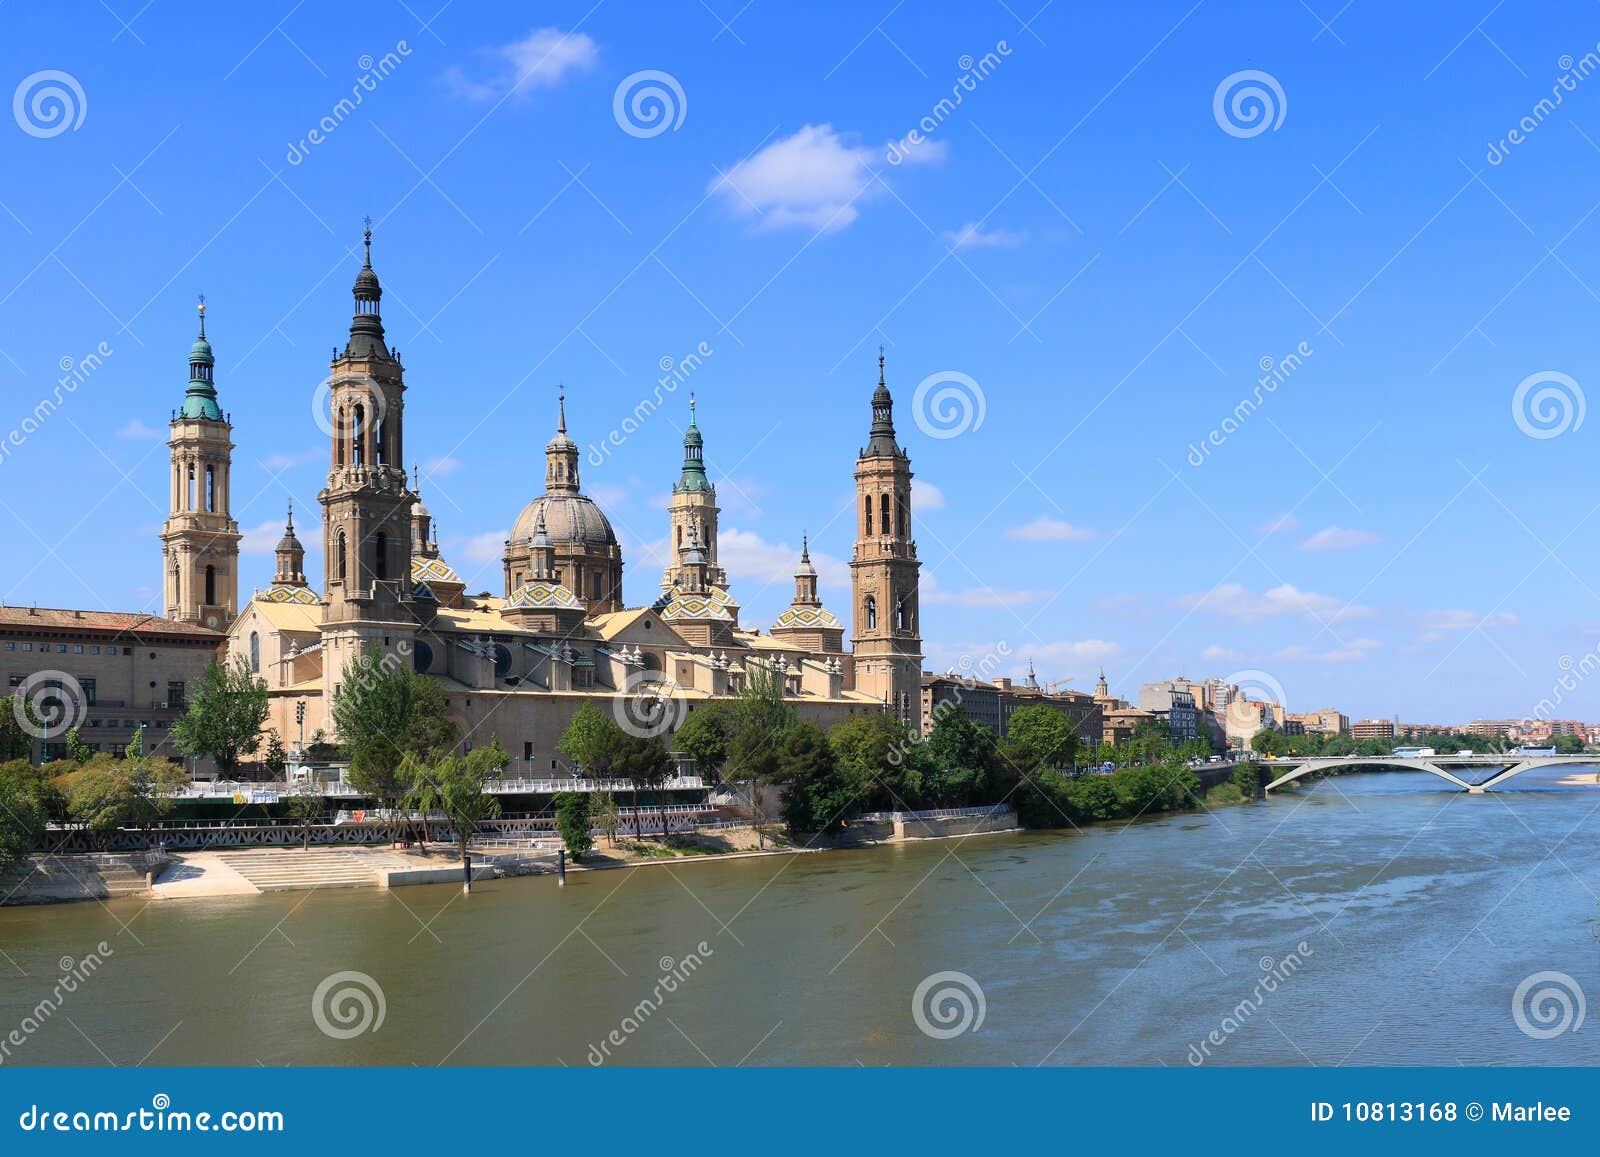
943 813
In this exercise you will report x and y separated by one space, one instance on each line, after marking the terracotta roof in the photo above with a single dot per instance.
113 622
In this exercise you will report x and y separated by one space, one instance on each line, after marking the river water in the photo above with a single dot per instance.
1394 921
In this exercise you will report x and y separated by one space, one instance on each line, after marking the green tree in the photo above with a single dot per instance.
384 711
817 797
1043 800
646 764
276 758
22 818
462 797
762 719
77 750
880 759
132 792
1247 778
962 760
306 806
1268 742
15 742
607 816
704 738
1094 797
572 821
1040 736
224 717
593 742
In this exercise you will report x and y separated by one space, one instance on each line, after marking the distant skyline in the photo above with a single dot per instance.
1302 394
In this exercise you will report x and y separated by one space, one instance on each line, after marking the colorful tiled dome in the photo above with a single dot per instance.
814 618
542 596
305 596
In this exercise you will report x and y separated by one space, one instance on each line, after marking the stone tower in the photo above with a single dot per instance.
366 522
200 539
291 571
884 569
693 504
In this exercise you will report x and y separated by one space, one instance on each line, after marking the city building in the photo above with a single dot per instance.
1323 721
1372 729
1173 702
518 665
1244 718
111 675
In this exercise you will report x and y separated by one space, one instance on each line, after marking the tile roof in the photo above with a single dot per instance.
102 622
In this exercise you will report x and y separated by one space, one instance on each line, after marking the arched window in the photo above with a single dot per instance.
340 558
338 443
211 586
594 586
380 555
884 501
869 513
902 515
255 652
900 614
211 489
189 490
872 613
383 442
358 434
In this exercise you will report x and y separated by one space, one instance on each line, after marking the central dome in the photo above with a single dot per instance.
567 518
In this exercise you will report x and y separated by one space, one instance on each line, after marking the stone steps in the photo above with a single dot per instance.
288 870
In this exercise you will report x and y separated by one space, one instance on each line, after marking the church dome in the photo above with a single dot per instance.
568 518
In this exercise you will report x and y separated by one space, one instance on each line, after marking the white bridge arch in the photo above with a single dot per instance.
1444 766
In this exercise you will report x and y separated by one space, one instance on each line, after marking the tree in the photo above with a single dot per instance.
276 758
963 758
762 718
305 806
15 742
1043 800
1094 797
817 797
22 819
385 711
646 764
133 792
1042 737
224 717
572 821
593 742
1268 742
77 750
704 738
1247 778
607 816
881 759
463 798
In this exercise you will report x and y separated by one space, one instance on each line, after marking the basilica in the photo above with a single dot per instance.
517 666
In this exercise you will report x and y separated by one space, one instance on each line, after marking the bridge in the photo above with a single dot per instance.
1444 766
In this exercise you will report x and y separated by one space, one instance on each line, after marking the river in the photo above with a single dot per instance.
1394 921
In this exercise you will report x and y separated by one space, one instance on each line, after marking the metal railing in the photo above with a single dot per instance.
942 813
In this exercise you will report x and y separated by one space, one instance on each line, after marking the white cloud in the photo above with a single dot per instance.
607 495
1046 529
1350 652
926 496
812 179
973 235
1438 625
263 537
137 429
1279 525
923 152
1238 602
985 660
1339 538
935 595
749 558
441 467
542 59
480 549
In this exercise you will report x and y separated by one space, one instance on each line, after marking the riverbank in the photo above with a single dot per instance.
222 873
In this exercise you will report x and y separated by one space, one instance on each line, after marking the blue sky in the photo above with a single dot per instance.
1081 238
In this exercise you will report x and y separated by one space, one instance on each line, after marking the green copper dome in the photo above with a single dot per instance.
693 480
200 401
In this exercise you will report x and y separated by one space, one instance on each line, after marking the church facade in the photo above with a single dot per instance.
518 665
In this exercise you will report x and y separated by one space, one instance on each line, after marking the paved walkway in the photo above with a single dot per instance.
200 874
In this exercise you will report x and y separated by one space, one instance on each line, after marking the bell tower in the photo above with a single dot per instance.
693 507
200 539
367 520
884 569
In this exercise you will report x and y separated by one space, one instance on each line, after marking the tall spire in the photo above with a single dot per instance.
694 476
366 327
291 556
882 444
200 400
561 455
